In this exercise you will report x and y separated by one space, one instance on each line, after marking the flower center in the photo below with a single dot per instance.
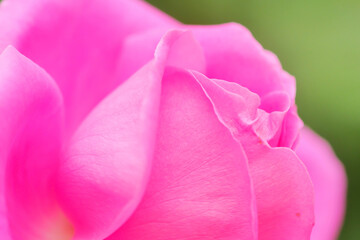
58 229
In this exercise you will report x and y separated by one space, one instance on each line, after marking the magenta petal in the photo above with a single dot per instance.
31 122
283 189
284 194
291 128
328 176
4 225
233 54
200 186
105 171
239 109
77 42
106 168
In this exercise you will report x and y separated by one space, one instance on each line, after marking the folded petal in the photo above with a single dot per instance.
283 189
200 186
31 120
139 49
105 171
291 128
233 54
77 42
328 176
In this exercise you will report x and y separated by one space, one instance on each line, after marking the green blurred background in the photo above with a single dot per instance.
317 42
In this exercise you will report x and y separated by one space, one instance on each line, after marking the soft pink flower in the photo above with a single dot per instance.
118 122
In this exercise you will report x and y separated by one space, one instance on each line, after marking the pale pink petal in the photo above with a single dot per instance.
328 176
283 189
31 121
232 54
105 171
77 42
200 186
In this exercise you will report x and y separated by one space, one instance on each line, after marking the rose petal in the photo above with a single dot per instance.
241 107
105 172
328 176
232 54
139 49
30 125
200 186
291 128
283 189
284 194
4 225
77 42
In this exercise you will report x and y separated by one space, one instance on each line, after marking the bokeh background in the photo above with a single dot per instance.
319 43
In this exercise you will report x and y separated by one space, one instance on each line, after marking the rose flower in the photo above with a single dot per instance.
118 122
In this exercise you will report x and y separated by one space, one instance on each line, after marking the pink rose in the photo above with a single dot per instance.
103 139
